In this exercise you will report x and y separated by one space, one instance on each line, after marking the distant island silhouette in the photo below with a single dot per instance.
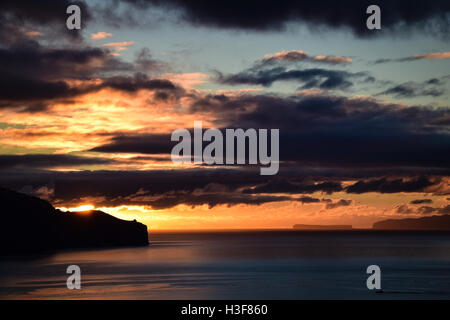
322 227
438 222
29 224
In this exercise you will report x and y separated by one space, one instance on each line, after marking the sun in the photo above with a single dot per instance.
85 207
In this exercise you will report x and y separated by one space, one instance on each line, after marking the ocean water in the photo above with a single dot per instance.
242 265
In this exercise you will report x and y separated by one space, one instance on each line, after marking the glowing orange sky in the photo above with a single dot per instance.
365 210
95 117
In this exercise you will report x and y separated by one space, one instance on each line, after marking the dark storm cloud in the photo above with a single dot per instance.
399 15
146 144
42 11
31 59
212 200
138 82
19 16
167 188
340 203
35 95
18 91
161 186
285 186
33 77
310 78
421 201
384 185
158 188
325 131
39 161
337 131
308 200
115 183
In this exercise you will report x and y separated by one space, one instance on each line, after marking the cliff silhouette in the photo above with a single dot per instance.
441 222
30 224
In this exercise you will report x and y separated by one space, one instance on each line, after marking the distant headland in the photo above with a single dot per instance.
29 224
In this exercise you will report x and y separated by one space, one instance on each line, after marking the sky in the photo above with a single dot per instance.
86 115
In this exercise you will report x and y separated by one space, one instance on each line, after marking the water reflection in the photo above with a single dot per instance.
235 265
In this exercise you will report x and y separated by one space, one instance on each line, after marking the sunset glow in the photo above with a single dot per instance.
86 207
86 121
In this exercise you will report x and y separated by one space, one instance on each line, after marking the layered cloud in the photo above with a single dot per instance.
308 78
426 56
421 201
283 66
434 87
340 203
423 210
299 55
34 76
398 16
327 131
162 189
42 161
384 185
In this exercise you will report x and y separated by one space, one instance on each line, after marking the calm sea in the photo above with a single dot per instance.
243 265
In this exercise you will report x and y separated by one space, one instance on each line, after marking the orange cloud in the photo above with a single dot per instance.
433 56
33 34
187 80
119 46
299 55
93 118
287 55
100 35
333 59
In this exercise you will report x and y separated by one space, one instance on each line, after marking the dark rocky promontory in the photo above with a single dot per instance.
30 224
